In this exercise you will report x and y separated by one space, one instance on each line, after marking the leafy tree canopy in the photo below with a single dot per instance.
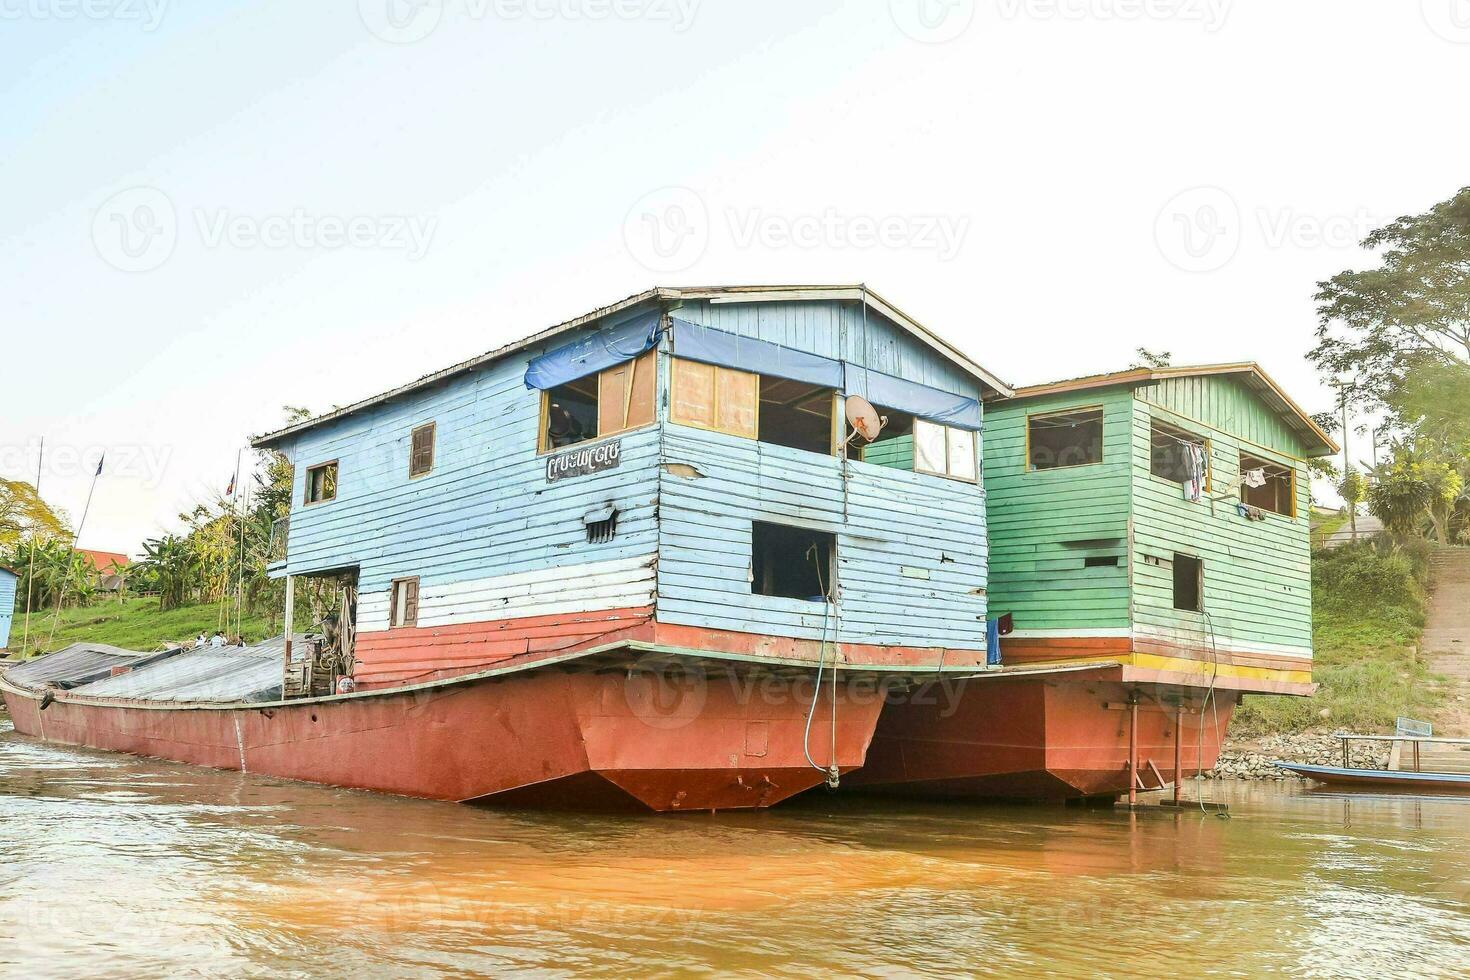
1380 326
25 516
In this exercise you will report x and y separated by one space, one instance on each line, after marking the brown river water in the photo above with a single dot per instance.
116 866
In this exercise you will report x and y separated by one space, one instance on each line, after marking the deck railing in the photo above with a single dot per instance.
280 531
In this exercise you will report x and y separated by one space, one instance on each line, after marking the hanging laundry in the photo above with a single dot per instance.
1194 468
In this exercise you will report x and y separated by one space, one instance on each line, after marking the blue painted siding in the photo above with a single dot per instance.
911 547
7 606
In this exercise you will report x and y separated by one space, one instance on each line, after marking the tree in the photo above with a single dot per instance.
1151 359
1384 324
25 516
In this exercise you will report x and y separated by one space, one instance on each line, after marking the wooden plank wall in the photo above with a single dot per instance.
485 513
911 547
1034 574
1258 575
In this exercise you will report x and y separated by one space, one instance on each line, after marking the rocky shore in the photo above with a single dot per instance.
1253 758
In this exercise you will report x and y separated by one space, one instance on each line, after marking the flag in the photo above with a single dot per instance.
230 490
100 460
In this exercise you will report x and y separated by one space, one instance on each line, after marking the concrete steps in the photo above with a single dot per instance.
1446 647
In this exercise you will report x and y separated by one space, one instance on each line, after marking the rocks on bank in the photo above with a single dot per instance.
1253 758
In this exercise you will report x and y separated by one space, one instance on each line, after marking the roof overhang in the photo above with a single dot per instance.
1318 442
668 295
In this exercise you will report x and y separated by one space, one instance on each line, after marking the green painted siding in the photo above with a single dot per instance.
897 454
1034 574
1257 575
1227 405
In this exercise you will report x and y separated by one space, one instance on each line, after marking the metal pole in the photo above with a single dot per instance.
1132 749
1178 751
290 619
1345 753
1347 463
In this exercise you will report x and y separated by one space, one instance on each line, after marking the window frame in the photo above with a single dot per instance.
1240 472
674 363
306 500
543 443
1207 441
433 429
410 580
1199 599
948 431
1102 443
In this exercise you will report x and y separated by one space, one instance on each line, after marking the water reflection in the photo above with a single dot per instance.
128 867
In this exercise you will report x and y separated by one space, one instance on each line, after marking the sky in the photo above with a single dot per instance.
213 210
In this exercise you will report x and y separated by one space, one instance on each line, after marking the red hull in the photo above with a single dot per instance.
551 737
1050 739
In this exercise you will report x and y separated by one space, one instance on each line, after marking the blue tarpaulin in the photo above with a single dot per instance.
916 399
700 343
603 349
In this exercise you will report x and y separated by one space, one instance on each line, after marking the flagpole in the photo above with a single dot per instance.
25 643
60 596
240 516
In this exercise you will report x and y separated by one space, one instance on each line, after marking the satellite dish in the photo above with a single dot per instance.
863 417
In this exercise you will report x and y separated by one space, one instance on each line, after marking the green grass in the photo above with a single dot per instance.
1323 528
1368 611
133 624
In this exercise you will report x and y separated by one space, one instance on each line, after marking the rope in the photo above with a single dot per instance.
832 771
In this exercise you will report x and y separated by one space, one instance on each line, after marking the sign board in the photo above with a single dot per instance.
582 462
1416 729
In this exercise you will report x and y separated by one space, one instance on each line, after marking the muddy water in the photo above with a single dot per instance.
118 866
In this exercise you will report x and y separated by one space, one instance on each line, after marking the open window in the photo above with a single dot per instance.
796 415
321 483
1061 439
403 603
614 400
791 562
1277 494
717 398
1189 583
1172 452
894 447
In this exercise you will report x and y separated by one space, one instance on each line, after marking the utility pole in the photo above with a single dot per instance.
1347 462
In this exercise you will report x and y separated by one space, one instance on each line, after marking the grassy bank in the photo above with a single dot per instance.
1368 610
134 624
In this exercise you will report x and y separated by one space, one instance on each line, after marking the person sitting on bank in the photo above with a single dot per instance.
218 639
200 641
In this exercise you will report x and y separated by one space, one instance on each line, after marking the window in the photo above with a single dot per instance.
1169 452
944 450
1189 581
403 603
321 483
796 415
1060 439
1100 561
1277 494
791 562
614 400
717 398
421 451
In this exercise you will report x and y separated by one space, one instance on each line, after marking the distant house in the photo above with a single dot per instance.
8 579
108 569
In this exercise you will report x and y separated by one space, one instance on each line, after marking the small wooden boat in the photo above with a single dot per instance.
1392 778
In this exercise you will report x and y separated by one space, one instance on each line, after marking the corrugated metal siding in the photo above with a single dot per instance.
486 509
891 521
1227 405
1033 574
231 674
837 330
1257 575
74 663
7 606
